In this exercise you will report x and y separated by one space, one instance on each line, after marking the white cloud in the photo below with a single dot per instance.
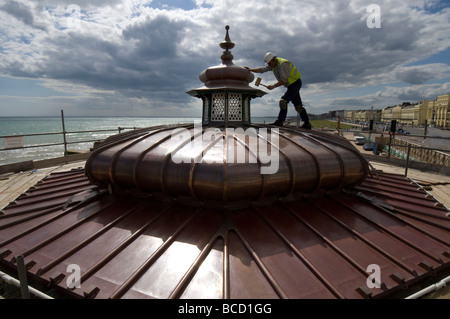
136 52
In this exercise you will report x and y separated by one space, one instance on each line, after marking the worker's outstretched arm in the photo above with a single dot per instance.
256 70
279 83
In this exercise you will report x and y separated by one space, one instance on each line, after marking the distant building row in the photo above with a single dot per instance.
435 112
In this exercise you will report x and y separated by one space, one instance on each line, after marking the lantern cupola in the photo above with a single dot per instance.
226 93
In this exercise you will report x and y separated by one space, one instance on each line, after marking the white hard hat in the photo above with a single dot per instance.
268 57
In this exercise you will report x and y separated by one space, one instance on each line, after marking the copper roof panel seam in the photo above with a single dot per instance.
342 253
13 209
396 212
110 255
392 203
128 283
222 233
423 202
302 257
226 269
64 231
391 233
28 217
292 174
71 172
188 276
392 214
412 212
397 199
136 168
162 178
261 266
314 158
51 187
130 135
413 225
168 157
127 146
35 199
366 241
113 141
62 201
61 177
392 185
395 190
420 218
36 227
45 190
430 195
41 204
137 155
16 209
409 187
197 160
89 239
345 146
339 159
338 141
225 170
52 184
251 151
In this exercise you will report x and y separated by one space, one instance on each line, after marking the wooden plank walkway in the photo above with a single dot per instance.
14 184
437 185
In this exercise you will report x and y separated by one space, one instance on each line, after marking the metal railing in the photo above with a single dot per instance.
433 156
64 134
421 154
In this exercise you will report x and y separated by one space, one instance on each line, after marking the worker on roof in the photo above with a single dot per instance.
288 75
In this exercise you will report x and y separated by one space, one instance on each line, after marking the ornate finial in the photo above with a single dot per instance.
227 44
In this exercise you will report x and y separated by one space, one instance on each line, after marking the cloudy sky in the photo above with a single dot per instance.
139 57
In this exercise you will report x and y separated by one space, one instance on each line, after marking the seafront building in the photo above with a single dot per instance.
436 113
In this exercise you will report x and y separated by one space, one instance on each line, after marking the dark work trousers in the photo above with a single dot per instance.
293 95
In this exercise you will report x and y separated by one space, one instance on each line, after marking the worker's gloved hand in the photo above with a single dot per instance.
271 87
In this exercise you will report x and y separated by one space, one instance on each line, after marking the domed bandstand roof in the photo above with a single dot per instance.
225 208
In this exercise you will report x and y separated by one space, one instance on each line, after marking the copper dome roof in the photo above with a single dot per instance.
309 162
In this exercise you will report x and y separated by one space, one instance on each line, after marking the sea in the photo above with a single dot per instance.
47 141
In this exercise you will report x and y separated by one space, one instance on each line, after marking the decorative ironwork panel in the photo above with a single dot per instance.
205 109
234 107
218 107
247 109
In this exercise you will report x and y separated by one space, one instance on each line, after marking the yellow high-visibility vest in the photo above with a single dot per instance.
294 75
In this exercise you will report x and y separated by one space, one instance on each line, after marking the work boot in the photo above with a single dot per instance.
278 123
306 125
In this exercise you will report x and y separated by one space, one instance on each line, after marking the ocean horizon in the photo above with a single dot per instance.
47 130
